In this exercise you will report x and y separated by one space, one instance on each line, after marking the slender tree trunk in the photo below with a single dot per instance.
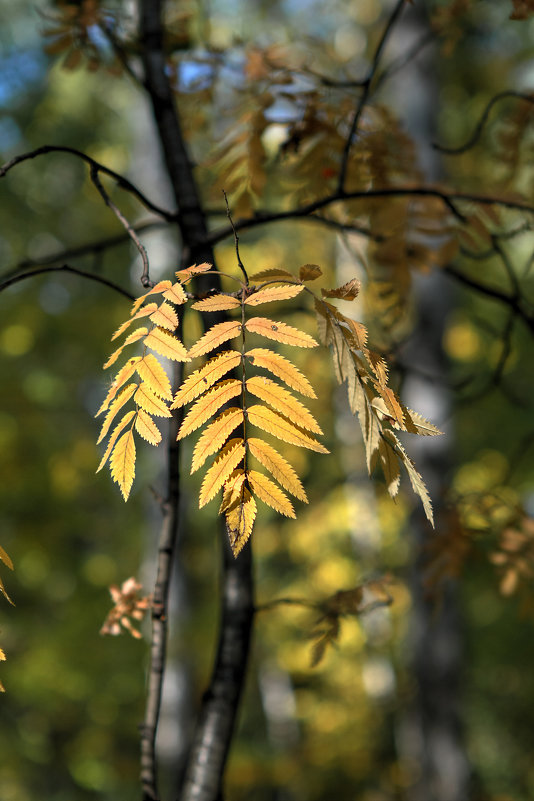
215 727
430 733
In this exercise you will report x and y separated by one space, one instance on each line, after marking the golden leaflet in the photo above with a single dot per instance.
283 401
281 368
215 336
151 403
280 332
270 294
154 375
217 302
122 463
207 375
123 397
165 316
277 466
269 493
166 344
273 423
225 463
206 406
215 435
146 427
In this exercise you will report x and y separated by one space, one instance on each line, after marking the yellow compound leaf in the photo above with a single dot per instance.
147 428
272 274
273 423
281 368
218 302
185 275
348 291
280 332
124 374
114 436
221 469
166 344
214 337
215 435
160 287
145 398
240 520
123 397
269 493
309 272
232 490
144 312
165 316
175 294
122 463
135 336
283 401
270 294
277 466
154 375
6 558
206 376
206 406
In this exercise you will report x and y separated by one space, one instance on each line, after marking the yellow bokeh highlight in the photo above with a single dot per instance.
461 341
16 340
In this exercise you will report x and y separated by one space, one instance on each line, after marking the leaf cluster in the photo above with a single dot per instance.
234 423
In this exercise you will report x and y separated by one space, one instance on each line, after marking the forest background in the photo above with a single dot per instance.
448 662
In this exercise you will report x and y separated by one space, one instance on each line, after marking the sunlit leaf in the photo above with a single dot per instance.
281 332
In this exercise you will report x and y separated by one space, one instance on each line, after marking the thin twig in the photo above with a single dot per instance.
366 86
65 268
492 292
236 240
473 139
158 645
145 277
405 58
122 182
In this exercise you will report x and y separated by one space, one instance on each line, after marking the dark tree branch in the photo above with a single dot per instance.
494 293
121 181
473 139
365 95
449 199
215 726
65 268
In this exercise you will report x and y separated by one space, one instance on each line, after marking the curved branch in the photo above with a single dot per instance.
121 181
449 199
366 85
494 293
145 277
65 268
473 139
